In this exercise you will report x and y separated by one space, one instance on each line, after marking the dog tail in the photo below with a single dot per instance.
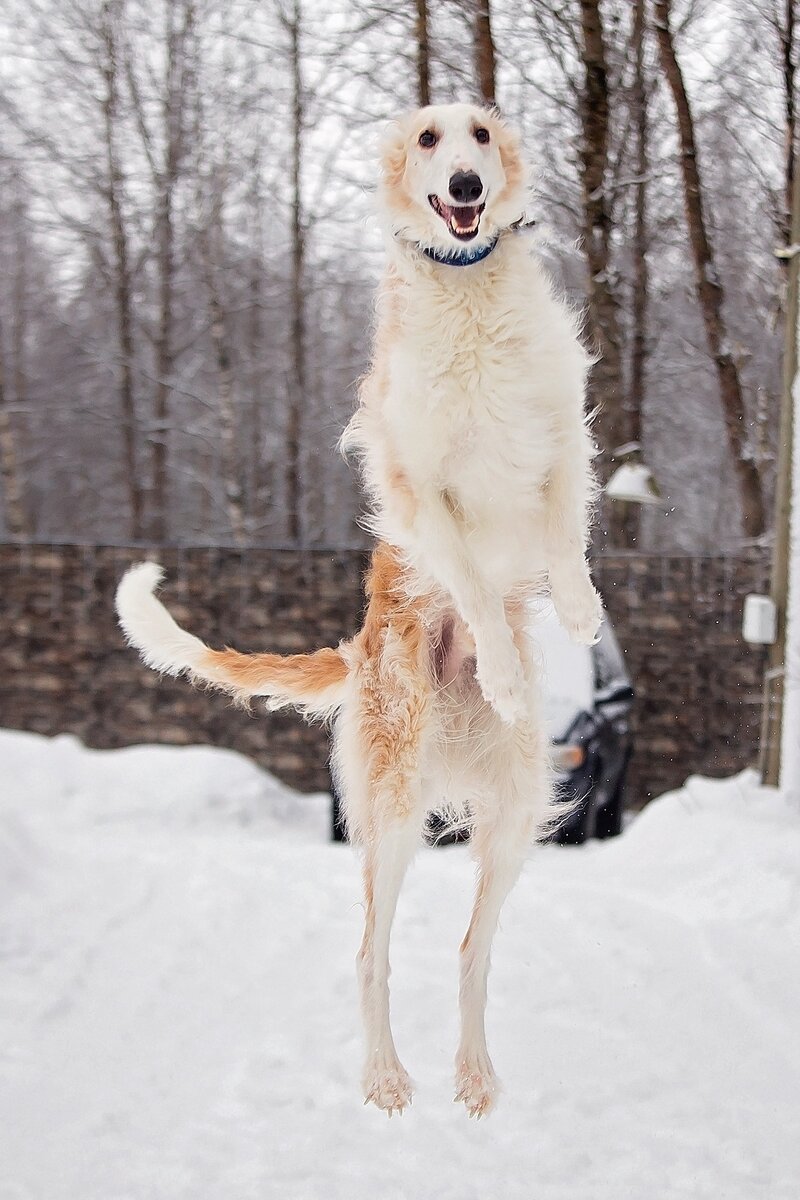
312 683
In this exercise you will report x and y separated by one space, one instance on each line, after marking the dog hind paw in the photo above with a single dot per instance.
388 1089
477 1088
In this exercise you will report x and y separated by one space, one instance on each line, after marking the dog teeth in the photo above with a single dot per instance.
456 228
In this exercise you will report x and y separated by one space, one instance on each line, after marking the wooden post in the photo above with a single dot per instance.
773 686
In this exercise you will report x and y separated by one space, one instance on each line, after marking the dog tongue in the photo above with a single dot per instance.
464 217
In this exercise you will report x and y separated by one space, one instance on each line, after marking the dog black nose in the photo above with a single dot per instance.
465 187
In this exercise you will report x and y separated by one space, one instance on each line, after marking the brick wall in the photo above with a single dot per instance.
63 665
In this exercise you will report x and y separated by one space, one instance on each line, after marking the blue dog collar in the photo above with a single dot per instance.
460 258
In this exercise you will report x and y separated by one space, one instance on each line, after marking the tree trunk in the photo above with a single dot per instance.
709 288
20 315
175 100
231 474
164 368
297 383
484 51
640 272
234 499
122 281
790 733
641 283
423 55
611 428
788 69
16 517
259 483
783 663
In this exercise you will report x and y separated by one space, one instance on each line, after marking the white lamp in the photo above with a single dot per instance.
632 481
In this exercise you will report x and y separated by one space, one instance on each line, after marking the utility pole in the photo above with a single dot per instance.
775 679
790 734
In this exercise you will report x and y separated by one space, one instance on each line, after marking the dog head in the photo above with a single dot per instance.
451 174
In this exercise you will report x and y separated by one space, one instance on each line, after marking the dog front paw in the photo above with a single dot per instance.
502 683
580 611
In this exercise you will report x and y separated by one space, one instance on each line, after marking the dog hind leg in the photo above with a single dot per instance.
386 1082
506 823
395 723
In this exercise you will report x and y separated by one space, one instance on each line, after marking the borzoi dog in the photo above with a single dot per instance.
477 458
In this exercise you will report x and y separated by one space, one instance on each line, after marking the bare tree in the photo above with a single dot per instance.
423 54
16 517
291 20
629 522
165 144
484 51
112 17
597 226
786 30
709 287
211 241
261 398
639 105
196 302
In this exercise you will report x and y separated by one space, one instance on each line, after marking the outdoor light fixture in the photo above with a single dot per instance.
632 481
760 620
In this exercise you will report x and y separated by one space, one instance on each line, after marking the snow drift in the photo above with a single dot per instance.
178 1005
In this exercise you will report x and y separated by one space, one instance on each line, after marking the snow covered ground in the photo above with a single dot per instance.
178 1014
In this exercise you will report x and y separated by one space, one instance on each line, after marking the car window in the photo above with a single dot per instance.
609 663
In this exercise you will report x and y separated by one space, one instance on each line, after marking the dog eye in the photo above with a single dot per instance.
428 138
482 135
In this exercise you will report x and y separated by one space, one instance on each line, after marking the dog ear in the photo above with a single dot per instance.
394 198
510 203
394 154
510 147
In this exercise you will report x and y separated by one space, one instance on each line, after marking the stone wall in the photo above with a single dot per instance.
698 683
64 667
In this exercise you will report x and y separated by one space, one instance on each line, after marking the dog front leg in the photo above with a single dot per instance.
568 497
440 550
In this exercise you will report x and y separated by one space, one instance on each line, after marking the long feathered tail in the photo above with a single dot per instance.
313 683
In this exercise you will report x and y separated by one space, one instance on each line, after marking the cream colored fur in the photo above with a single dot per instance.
472 433
471 426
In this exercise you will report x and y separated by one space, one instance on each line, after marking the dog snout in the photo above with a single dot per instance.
466 187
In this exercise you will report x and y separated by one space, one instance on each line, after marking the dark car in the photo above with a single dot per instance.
590 696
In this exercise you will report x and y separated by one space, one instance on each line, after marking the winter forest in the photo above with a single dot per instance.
188 256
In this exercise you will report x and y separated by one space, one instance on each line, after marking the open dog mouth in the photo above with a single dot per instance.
461 219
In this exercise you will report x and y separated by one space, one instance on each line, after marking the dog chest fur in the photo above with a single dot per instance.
479 364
